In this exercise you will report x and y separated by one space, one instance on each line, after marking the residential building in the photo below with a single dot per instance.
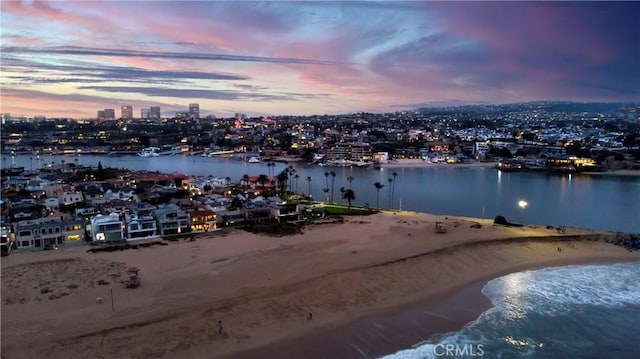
107 228
172 220
49 231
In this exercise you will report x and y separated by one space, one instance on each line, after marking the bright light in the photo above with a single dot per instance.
522 204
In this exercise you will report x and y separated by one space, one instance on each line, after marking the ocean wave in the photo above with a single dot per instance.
546 313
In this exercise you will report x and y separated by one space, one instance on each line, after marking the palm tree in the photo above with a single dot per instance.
378 186
341 194
349 195
326 194
350 179
295 177
246 179
227 180
309 180
393 189
291 171
282 178
262 179
390 180
333 180
326 179
271 168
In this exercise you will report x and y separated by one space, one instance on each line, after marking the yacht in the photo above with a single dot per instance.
253 160
149 152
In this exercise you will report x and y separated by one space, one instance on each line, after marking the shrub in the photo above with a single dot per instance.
501 220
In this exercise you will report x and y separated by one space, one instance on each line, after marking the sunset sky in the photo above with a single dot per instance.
70 59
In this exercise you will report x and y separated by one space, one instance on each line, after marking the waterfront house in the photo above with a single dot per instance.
107 228
140 224
202 218
48 231
171 219
229 217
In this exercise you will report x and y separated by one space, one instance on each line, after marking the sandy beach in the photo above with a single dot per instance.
348 274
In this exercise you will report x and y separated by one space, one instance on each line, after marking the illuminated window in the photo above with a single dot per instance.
73 237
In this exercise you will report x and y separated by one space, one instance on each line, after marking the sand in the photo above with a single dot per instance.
262 289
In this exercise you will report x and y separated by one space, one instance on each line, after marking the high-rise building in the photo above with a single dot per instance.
194 111
127 112
145 114
106 114
154 112
109 114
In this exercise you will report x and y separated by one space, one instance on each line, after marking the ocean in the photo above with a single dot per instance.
579 311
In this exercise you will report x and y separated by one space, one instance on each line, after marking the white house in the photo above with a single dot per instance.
107 228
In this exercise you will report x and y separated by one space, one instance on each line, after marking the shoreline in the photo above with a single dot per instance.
419 163
262 288
403 327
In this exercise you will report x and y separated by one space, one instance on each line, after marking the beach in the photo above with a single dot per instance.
346 273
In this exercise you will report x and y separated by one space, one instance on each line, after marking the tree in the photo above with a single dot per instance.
326 194
333 181
349 195
295 178
282 180
326 179
291 171
262 179
309 180
629 141
341 194
207 188
378 186
390 180
393 188
100 174
350 179
245 178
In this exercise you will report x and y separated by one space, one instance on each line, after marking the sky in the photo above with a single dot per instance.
73 58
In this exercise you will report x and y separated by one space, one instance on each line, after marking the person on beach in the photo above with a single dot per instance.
310 316
219 327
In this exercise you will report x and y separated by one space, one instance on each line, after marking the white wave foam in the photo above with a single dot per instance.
549 291
553 291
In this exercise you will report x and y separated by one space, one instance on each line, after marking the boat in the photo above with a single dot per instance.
12 171
149 152
253 160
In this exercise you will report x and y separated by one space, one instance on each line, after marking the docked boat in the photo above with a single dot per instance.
254 160
149 152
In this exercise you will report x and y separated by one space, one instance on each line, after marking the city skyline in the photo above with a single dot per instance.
68 59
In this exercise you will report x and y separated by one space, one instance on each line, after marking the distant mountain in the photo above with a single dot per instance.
548 106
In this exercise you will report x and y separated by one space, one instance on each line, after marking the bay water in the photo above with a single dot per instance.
602 202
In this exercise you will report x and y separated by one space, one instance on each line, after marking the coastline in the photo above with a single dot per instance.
407 325
262 288
417 163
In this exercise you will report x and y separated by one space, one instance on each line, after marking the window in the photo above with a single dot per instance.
75 227
50 230
24 233
24 244
57 230
36 231
73 237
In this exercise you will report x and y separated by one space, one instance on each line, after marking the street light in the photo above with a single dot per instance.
522 204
